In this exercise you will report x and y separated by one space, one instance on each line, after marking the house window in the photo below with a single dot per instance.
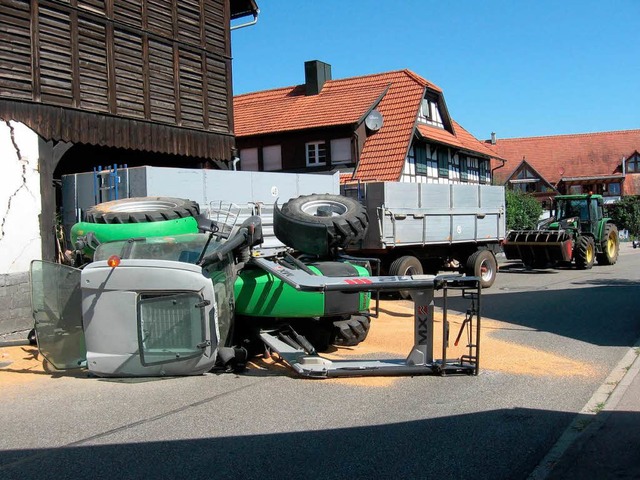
575 189
340 151
316 154
430 113
272 158
454 175
633 164
483 171
249 159
613 188
464 173
472 170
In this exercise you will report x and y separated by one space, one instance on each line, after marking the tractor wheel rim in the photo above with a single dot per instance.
324 208
611 246
589 254
149 205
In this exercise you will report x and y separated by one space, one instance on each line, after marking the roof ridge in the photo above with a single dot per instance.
566 135
414 76
270 90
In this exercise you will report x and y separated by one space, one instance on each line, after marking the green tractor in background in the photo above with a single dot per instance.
577 231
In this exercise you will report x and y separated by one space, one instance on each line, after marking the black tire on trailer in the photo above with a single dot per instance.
346 219
585 252
351 331
610 245
483 264
142 210
405 265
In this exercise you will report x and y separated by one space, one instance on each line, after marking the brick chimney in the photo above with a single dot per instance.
316 73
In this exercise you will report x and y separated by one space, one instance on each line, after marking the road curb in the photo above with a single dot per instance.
596 411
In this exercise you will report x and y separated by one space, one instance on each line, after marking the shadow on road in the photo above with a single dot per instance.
490 445
607 313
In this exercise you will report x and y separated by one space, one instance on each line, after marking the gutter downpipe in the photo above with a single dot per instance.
496 168
248 24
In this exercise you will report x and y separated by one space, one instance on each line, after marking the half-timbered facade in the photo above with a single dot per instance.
391 126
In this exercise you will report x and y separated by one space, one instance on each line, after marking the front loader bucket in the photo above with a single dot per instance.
538 247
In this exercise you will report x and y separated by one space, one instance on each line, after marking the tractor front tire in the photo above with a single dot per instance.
142 210
352 331
610 246
585 252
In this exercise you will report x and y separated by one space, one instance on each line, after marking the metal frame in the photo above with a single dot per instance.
303 359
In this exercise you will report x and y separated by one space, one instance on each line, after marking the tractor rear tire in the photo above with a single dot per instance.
585 252
483 264
346 219
352 331
142 210
610 246
406 265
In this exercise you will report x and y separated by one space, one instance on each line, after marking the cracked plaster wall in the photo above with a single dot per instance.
20 201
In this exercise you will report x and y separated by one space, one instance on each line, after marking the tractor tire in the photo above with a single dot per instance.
350 332
346 219
483 264
610 246
585 252
142 210
406 265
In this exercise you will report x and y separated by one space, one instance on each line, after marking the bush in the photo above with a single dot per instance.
523 211
626 215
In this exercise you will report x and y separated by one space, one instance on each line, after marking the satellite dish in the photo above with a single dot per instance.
374 121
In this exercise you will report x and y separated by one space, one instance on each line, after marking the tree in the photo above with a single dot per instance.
626 215
523 211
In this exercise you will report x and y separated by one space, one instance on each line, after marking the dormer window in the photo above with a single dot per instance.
633 164
430 112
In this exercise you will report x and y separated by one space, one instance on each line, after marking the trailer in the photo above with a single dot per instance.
426 228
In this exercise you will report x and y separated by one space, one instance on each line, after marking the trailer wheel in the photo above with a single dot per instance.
585 252
352 331
346 219
406 265
142 210
610 246
483 264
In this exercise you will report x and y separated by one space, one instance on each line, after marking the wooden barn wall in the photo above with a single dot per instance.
144 74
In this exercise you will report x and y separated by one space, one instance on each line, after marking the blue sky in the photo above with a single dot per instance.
518 68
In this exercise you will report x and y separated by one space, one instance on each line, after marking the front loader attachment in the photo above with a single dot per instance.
538 247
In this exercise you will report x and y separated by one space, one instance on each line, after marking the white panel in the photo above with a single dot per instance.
272 158
249 159
341 150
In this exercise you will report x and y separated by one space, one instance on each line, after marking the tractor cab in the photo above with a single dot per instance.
581 213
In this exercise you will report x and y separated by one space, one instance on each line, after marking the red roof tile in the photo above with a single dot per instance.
341 102
585 155
384 152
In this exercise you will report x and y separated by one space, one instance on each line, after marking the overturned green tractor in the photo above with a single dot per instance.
577 232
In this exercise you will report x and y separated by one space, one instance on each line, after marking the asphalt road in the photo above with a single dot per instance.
498 425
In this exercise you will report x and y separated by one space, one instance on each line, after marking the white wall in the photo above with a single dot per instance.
20 204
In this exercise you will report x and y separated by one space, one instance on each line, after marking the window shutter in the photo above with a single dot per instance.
443 162
421 159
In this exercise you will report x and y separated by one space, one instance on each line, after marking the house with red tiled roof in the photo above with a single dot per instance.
607 163
391 126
